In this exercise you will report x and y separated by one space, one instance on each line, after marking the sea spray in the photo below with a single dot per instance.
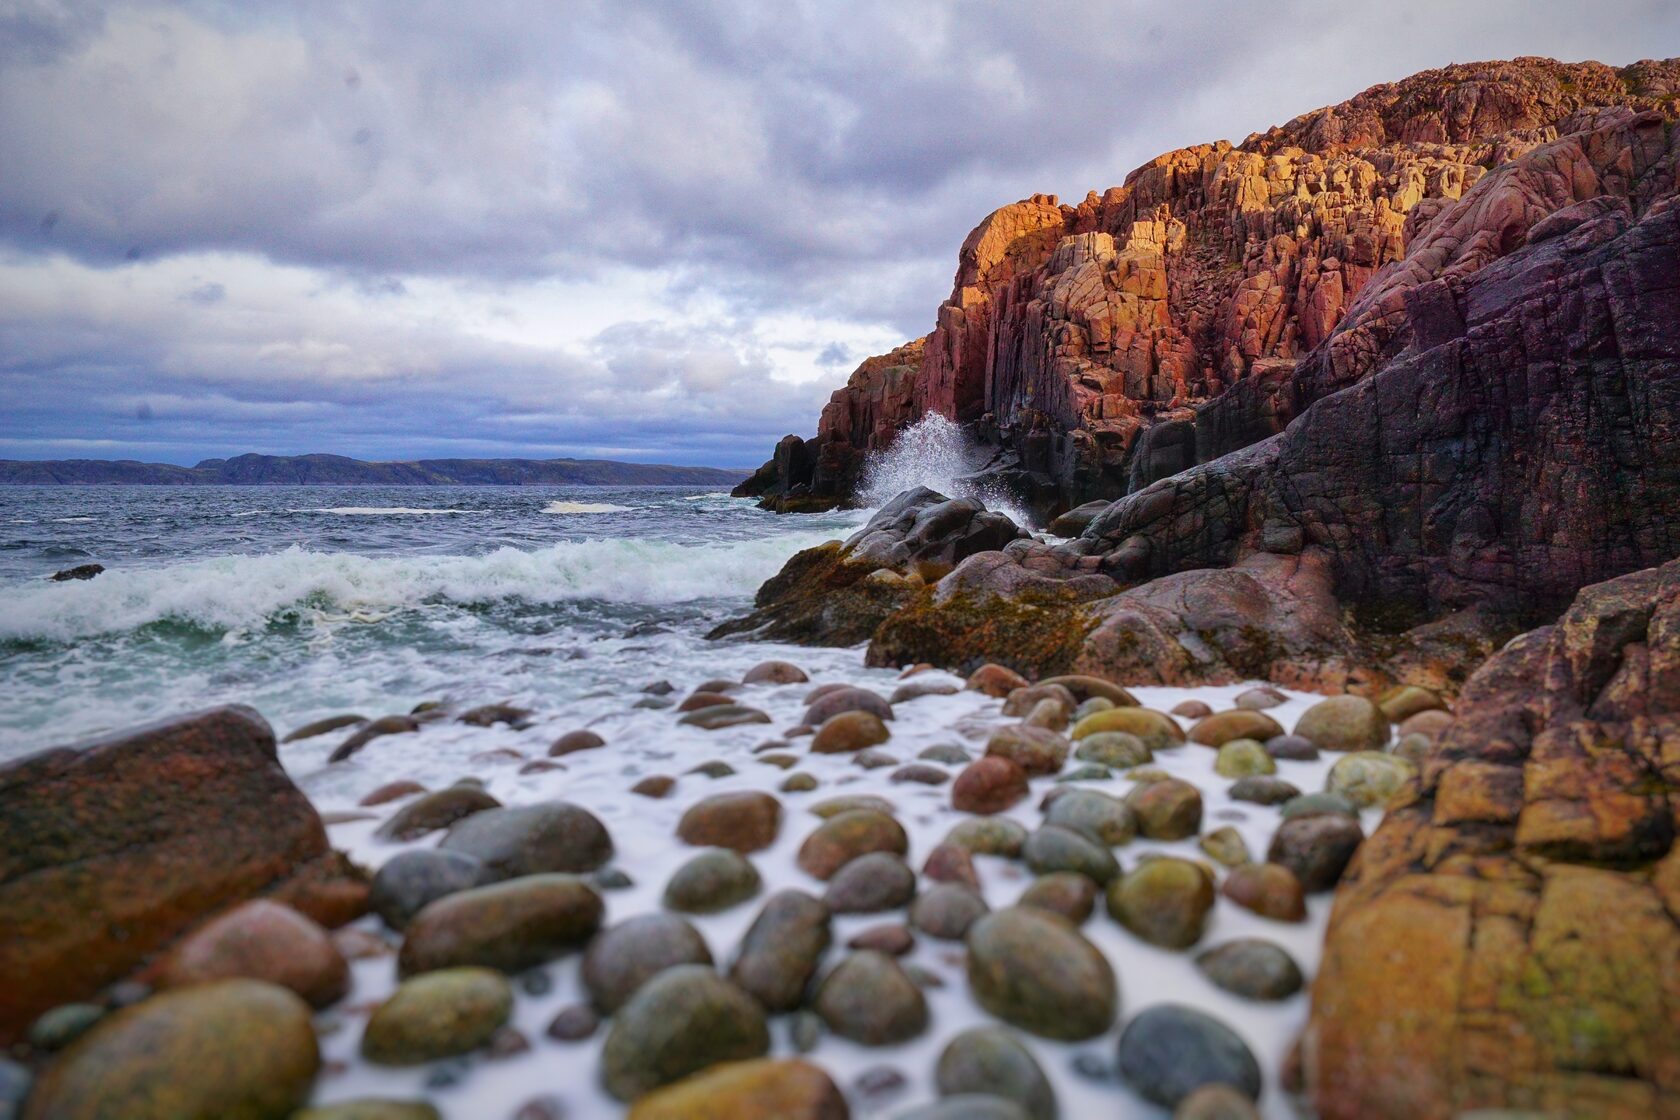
933 452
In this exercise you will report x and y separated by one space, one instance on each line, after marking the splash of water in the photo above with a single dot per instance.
932 452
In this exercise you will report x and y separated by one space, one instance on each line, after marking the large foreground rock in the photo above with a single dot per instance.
763 1089
1508 939
110 848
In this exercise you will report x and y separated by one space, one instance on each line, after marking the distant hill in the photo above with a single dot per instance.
340 470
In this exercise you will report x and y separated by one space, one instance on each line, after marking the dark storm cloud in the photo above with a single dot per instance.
762 165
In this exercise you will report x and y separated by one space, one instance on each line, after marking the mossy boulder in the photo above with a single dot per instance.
1157 730
869 999
1106 820
1243 758
226 1050
1168 809
1344 723
1119 749
682 1021
711 881
1165 901
509 926
1368 779
761 1089
1033 969
991 1061
624 957
1241 723
438 1015
839 840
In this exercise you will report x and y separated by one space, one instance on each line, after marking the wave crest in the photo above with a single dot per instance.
229 593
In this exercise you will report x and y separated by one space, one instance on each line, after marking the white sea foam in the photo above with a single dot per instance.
932 452
585 507
377 511
69 519
239 591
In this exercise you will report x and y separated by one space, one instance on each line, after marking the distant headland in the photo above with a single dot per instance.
341 470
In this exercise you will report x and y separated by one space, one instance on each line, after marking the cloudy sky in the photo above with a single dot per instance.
654 231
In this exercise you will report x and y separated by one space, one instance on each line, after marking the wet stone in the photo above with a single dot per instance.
920 774
991 1061
1034 970
998 836
1168 1051
1268 889
531 839
624 957
948 754
839 840
1316 849
1164 901
1291 748
1263 789
433 811
1104 819
1067 893
781 949
1168 809
1052 848
714 769
871 883
874 760
1118 749
891 938
745 821
869 999
947 911
437 1015
682 1021
1243 758
1252 968
1225 846
573 1023
950 863
714 880
410 880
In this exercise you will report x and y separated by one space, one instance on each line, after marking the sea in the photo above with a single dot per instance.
308 602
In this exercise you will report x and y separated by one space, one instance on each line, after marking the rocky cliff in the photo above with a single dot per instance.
1222 289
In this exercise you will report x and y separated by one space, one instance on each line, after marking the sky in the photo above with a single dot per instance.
661 232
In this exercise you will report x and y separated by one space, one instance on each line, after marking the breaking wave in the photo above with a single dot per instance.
932 452
585 507
230 593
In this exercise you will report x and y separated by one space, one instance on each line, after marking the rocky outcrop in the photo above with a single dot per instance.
1510 937
111 848
1222 289
1512 440
838 593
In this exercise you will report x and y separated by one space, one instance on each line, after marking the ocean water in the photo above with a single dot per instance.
309 602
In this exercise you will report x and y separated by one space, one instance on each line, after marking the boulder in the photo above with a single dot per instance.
1051 848
762 1089
434 811
409 880
261 940
1511 924
1067 893
1033 969
684 1020
1316 848
992 1062
869 999
1344 723
1269 889
988 785
1036 750
871 883
1165 901
1243 723
228 1048
622 958
113 847
712 881
532 839
438 1015
509 926
841 839
775 672
1169 1051
1106 820
744 821
782 948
